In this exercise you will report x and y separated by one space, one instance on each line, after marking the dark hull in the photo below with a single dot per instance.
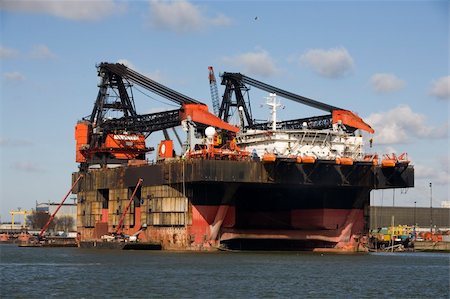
205 204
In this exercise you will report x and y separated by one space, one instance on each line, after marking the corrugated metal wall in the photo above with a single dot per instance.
88 209
382 216
164 206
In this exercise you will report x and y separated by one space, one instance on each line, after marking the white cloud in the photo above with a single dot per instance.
182 16
73 10
437 176
157 75
441 88
14 76
126 63
257 63
7 52
401 125
220 20
332 63
385 83
41 52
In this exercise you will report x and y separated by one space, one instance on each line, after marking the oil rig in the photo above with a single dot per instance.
301 184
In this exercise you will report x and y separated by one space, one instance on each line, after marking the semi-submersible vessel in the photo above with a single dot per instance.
301 184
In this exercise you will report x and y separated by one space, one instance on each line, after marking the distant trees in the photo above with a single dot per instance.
37 220
64 223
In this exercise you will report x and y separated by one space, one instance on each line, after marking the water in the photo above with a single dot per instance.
91 273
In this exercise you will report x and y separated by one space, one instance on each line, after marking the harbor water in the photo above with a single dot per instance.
95 273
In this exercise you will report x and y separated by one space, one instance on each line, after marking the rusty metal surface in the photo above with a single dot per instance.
311 175
173 192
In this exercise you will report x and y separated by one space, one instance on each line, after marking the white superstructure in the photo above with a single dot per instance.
327 144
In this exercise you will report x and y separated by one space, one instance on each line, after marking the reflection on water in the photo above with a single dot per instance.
87 273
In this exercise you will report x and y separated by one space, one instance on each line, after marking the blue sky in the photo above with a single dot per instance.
387 61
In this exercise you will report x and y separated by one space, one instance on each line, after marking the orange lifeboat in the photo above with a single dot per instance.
338 161
346 161
373 158
269 157
298 159
23 237
4 237
308 159
388 163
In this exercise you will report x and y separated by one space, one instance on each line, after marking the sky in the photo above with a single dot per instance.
388 61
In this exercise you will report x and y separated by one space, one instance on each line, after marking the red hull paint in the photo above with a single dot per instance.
203 217
213 224
336 226
105 215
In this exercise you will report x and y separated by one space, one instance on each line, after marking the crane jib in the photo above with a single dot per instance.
141 80
280 92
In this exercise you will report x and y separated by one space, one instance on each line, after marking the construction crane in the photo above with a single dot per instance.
236 83
103 138
214 91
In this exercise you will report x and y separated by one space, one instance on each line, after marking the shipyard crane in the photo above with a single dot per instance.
50 219
25 213
214 91
104 138
236 82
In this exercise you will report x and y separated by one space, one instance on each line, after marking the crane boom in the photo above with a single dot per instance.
214 91
145 82
235 82
43 230
238 77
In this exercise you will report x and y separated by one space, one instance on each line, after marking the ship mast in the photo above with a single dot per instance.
272 102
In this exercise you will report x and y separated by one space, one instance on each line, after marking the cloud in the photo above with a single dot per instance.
257 63
126 63
441 88
27 166
182 16
386 83
332 63
437 176
155 76
14 76
7 52
72 10
41 52
401 125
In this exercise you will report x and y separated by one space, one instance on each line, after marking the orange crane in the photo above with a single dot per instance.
102 139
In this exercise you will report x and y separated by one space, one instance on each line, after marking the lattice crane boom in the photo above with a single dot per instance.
214 91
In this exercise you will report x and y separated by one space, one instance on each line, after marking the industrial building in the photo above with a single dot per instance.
423 217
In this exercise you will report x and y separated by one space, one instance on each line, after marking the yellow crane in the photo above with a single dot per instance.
20 212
